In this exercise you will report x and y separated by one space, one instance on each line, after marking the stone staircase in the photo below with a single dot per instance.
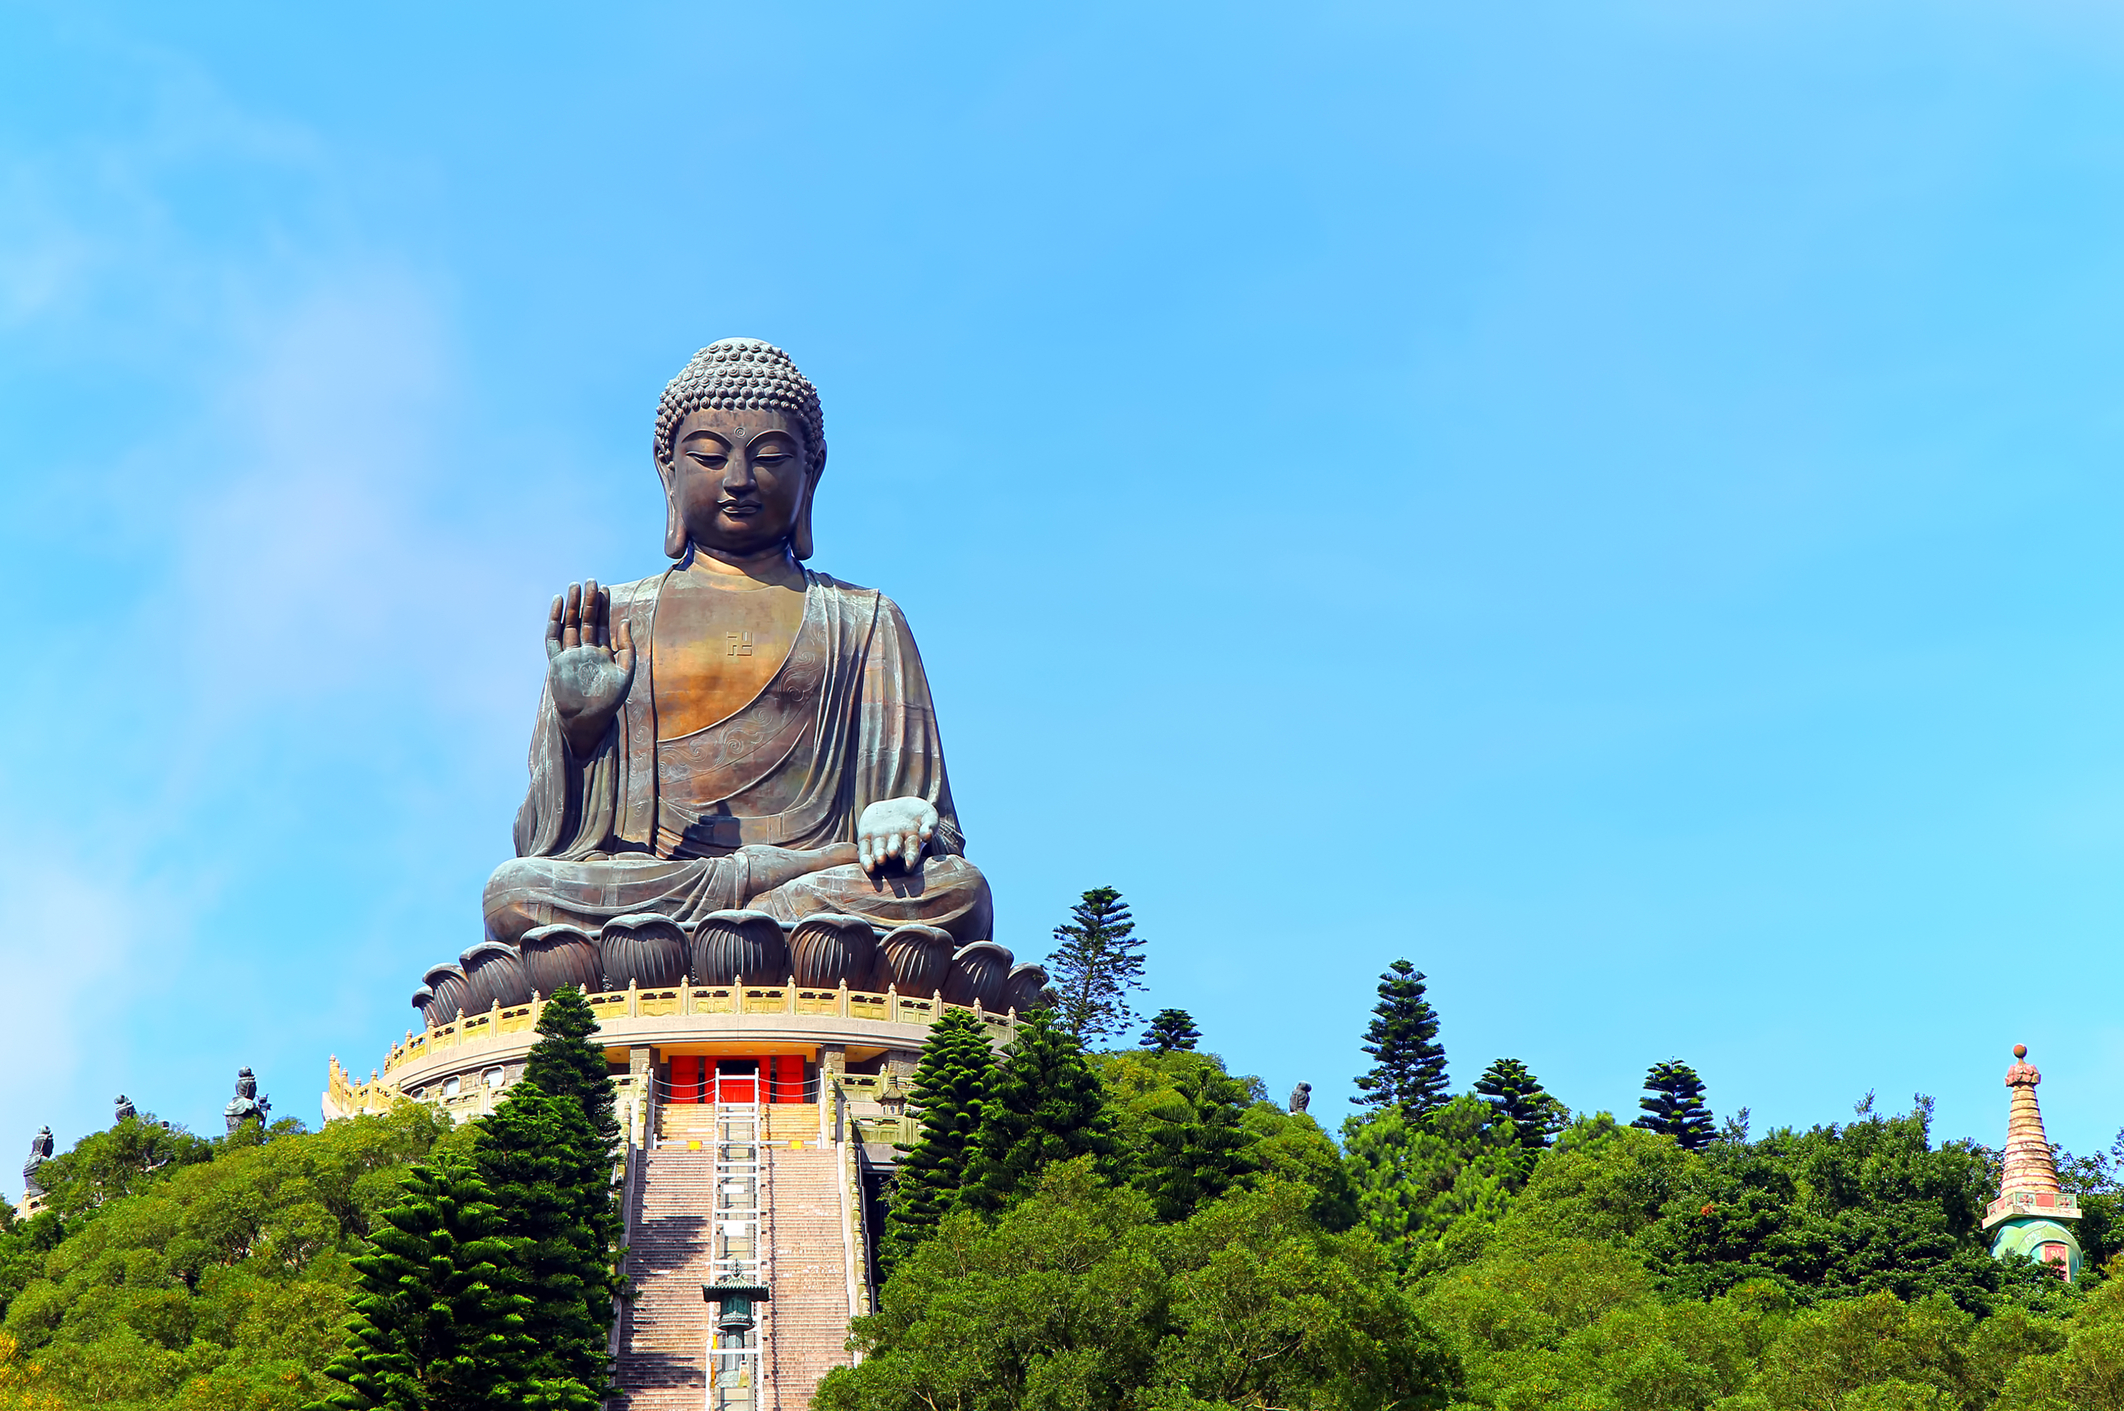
807 1320
663 1330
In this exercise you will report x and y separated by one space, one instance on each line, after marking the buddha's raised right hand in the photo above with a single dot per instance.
588 678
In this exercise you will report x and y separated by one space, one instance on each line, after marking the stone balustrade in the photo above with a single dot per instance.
503 1029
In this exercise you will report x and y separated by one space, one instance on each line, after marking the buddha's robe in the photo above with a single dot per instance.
675 826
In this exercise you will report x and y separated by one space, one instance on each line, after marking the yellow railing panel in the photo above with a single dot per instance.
693 999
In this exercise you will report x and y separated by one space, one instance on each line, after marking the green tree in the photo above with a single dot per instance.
566 1062
1292 1148
951 1085
546 1156
1518 1097
549 1175
1097 961
124 1158
1601 1181
23 1248
282 1210
1143 1096
1077 1297
1197 1144
1674 1105
1875 1353
1576 1323
217 1284
1170 1031
1044 1105
2082 1368
1409 1064
1418 1182
1834 1212
438 1325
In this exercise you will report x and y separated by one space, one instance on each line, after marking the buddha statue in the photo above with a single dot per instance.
738 731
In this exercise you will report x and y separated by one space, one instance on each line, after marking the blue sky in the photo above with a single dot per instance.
1616 503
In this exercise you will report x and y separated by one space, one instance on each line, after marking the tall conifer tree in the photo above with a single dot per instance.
1674 1105
1409 1068
567 1063
551 1177
1097 960
1518 1098
1044 1105
1171 1031
950 1085
1199 1145
546 1154
438 1324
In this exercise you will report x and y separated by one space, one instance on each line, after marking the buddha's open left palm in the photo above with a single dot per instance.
588 677
894 830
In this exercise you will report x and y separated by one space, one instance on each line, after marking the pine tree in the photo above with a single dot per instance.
1170 1031
1098 961
1417 1182
1674 1105
1518 1097
566 1063
951 1083
1044 1105
546 1155
1199 1146
551 1176
438 1325
1409 1071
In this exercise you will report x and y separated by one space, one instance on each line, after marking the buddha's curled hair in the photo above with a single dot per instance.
741 374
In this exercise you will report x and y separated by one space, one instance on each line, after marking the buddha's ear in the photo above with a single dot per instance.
676 540
800 537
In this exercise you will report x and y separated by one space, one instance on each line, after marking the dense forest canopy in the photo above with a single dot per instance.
1136 1229
173 1272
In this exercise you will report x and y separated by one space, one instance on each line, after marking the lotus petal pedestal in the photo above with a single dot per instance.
913 960
1026 988
447 984
643 949
733 945
977 975
556 956
829 951
494 974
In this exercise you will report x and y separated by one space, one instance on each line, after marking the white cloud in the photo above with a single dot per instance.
263 562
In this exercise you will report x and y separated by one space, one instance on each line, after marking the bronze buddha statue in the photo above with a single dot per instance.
737 731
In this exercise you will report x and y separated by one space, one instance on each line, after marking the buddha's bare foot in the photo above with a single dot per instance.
768 867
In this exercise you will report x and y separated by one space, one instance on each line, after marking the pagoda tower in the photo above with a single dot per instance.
2030 1219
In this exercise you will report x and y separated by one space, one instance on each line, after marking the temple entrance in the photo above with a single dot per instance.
776 1079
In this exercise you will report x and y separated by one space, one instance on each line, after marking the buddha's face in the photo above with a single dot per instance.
739 479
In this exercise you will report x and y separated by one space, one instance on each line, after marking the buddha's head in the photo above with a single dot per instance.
740 446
